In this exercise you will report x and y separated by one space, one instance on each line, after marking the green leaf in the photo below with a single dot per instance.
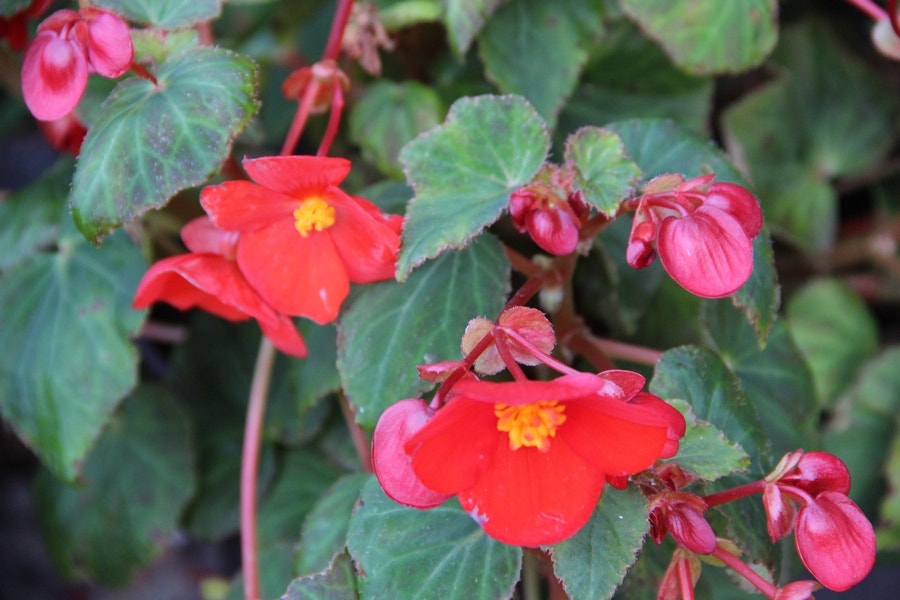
399 14
152 141
835 332
709 36
325 528
776 378
662 147
68 316
10 7
889 534
593 563
704 451
537 49
464 19
792 166
337 582
464 171
434 554
388 115
166 14
390 328
31 216
134 486
699 376
604 173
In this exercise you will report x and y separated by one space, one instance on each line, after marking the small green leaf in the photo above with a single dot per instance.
150 47
537 49
68 316
325 528
399 14
709 36
464 171
336 582
835 332
464 19
169 14
604 173
593 563
662 147
435 554
776 378
134 486
152 141
704 451
388 115
390 328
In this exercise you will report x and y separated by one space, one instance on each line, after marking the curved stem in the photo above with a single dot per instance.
300 117
139 70
360 442
745 571
735 493
871 9
338 24
256 408
531 581
541 355
685 580
508 359
334 119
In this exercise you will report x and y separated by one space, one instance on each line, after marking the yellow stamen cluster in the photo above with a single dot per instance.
313 214
532 424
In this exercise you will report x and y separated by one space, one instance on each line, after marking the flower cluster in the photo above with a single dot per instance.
68 46
550 210
287 244
702 231
527 459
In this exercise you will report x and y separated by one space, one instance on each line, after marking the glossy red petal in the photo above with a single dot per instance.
200 235
283 334
110 50
707 252
54 75
58 21
518 393
781 512
297 176
690 529
739 203
296 275
835 541
531 498
640 251
392 464
617 438
630 382
554 229
818 472
676 425
244 206
368 246
456 446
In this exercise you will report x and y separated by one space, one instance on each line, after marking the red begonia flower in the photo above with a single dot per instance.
209 278
818 472
702 231
835 541
109 46
551 217
528 459
303 239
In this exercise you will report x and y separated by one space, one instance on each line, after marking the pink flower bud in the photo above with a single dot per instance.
835 541
54 75
780 512
818 472
110 49
548 217
681 515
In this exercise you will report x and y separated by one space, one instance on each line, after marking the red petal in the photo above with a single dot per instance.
797 590
54 75
452 450
297 176
707 252
368 246
200 235
59 21
531 498
691 529
518 393
296 275
392 464
835 541
630 382
818 472
739 203
617 438
283 334
554 229
780 512
110 49
676 424
244 206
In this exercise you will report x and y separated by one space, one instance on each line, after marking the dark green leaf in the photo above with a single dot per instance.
134 486
889 535
436 554
704 451
709 36
537 49
388 115
10 7
337 582
68 316
152 141
390 328
171 14
325 528
464 19
604 173
464 171
776 379
593 563
835 333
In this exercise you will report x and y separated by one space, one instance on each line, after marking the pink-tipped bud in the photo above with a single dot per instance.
818 472
681 516
547 215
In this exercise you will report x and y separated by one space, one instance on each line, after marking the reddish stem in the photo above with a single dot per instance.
503 349
300 117
541 355
746 572
256 408
205 33
341 15
139 70
872 9
685 581
360 442
735 493
596 349
334 119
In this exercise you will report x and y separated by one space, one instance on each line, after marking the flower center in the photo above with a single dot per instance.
530 425
313 214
